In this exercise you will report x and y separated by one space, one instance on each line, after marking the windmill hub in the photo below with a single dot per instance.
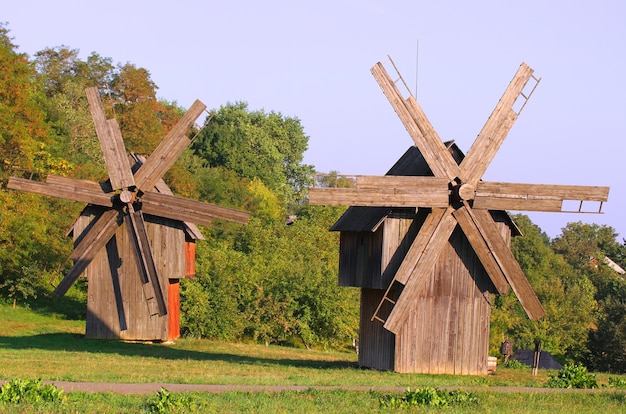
466 192
127 196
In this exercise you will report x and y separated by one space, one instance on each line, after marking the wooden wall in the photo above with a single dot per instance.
116 305
448 330
371 259
376 344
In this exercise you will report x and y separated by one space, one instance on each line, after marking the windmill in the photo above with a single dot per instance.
447 204
122 214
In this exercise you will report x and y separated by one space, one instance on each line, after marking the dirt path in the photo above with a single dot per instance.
150 388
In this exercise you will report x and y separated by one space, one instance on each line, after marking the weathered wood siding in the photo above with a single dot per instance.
116 305
447 331
376 344
371 259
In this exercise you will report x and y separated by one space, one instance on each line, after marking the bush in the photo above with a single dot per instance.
166 402
428 396
27 391
514 364
572 376
617 382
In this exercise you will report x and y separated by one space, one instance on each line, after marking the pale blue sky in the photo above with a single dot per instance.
311 60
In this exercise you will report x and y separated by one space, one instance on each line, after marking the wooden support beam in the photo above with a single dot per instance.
509 265
183 209
75 191
168 151
465 219
495 129
534 197
417 125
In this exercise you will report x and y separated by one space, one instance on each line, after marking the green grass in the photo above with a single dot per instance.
34 345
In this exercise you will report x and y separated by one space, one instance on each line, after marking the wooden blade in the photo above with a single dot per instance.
466 221
111 143
419 128
63 187
535 197
136 228
507 262
391 191
168 150
419 244
95 238
426 262
178 208
495 129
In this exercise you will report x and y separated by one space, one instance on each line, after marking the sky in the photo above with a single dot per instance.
312 60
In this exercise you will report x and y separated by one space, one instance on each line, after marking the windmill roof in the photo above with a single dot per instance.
412 163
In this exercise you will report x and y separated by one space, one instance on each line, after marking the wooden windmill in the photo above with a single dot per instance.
130 239
428 242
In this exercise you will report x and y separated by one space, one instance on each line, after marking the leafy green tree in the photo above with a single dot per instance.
586 246
256 144
22 119
566 295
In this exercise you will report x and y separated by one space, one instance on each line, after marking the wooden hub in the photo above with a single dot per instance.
127 196
466 192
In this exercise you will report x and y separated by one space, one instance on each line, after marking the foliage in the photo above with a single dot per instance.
572 376
428 397
272 283
617 382
29 391
566 294
256 144
22 120
167 402
514 364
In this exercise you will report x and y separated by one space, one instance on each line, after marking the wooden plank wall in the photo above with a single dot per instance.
376 344
116 306
370 260
447 332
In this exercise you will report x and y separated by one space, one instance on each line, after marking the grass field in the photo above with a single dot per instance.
34 345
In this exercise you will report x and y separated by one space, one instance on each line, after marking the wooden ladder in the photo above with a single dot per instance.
394 286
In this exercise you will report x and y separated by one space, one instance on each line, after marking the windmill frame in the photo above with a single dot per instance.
455 226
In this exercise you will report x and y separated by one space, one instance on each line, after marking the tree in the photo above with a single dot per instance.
586 246
566 295
256 144
22 119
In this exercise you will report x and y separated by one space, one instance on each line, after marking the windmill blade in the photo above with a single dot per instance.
96 237
168 150
111 143
496 128
136 228
506 261
435 245
417 125
464 218
536 197
388 190
72 189
178 208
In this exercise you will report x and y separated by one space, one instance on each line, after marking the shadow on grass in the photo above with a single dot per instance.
69 342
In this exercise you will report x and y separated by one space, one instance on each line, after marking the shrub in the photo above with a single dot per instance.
167 402
428 396
514 364
27 391
572 376
617 382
